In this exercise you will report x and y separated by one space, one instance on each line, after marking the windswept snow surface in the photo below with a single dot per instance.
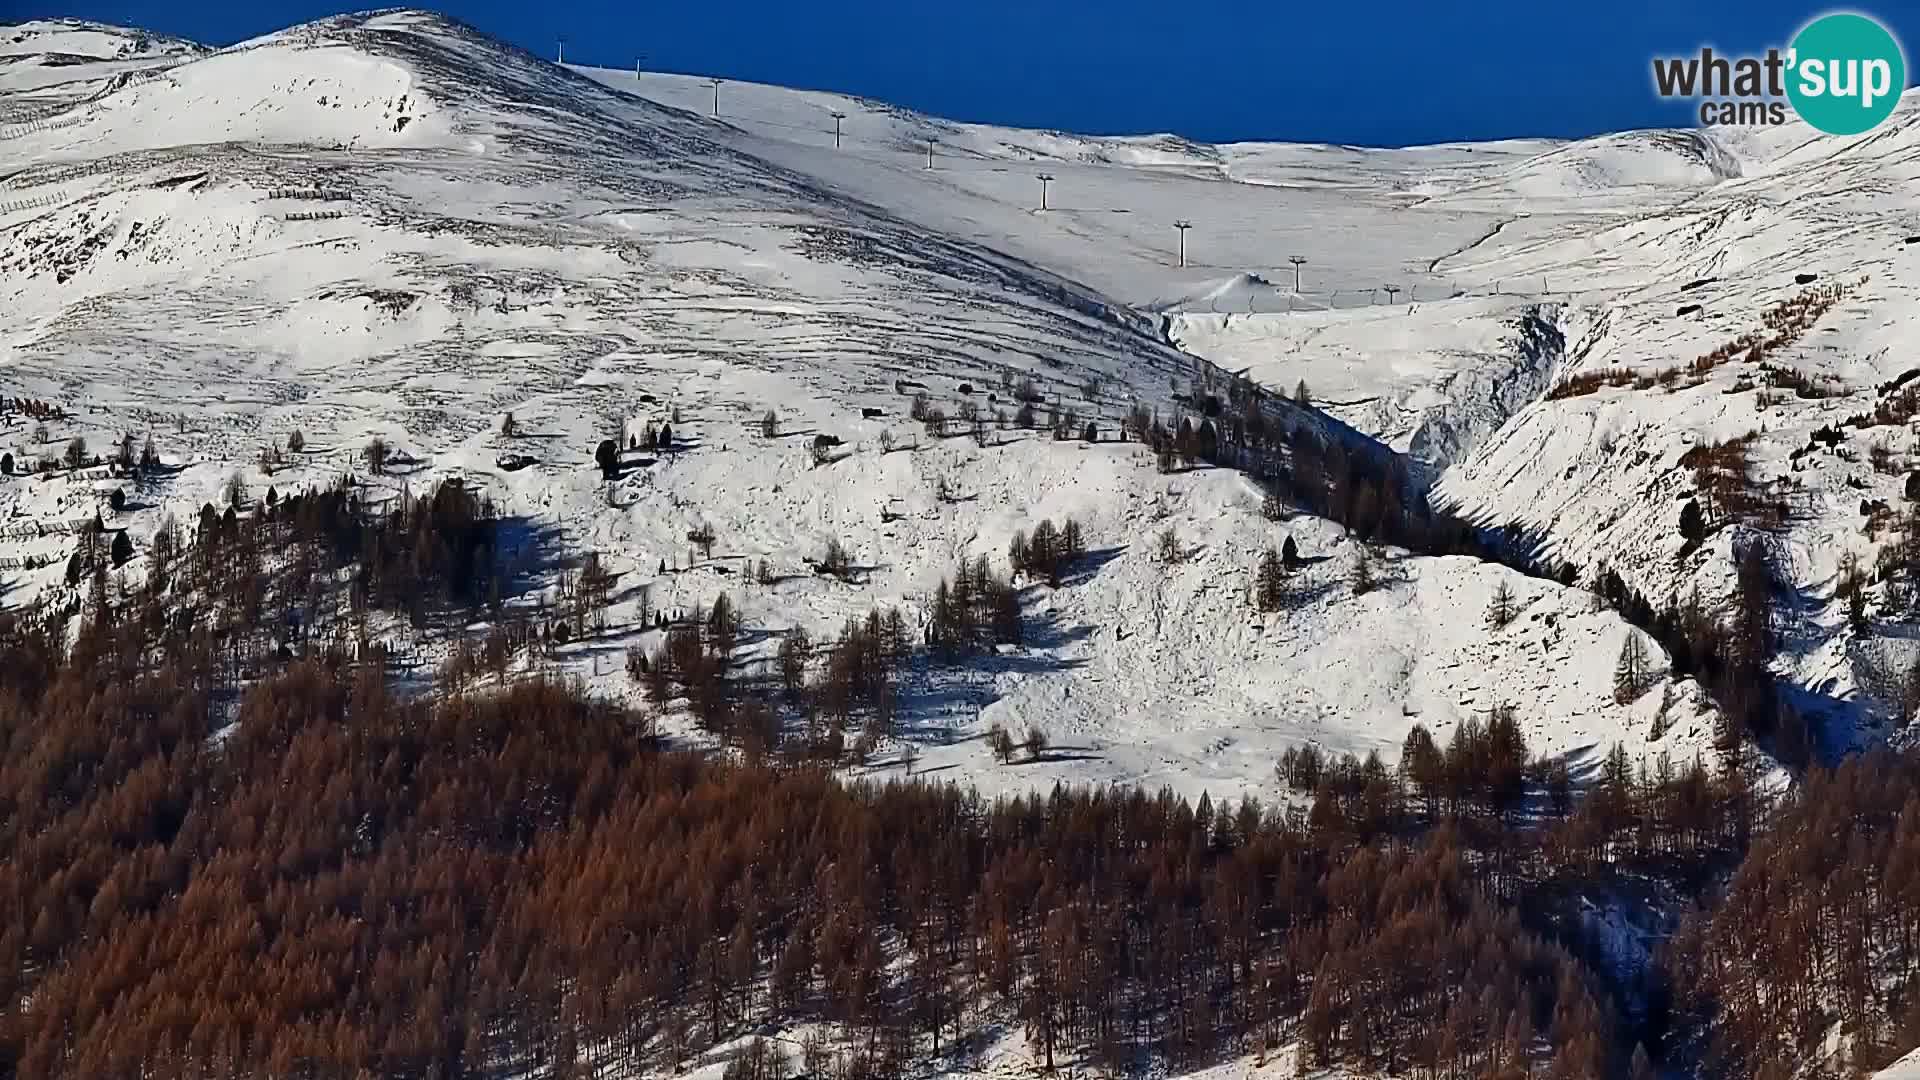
1364 220
47 66
389 224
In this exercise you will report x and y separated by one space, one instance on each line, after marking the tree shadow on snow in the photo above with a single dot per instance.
940 695
1833 723
527 553
1088 566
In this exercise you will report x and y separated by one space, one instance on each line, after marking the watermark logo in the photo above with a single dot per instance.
1843 74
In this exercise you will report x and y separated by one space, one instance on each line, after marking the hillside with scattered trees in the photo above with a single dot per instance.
314 874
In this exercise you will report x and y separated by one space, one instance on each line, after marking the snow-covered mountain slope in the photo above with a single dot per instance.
389 224
1430 380
473 191
1365 221
1166 675
48 65
1601 473
1444 288
1362 218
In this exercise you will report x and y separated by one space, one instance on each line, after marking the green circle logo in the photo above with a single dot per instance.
1847 74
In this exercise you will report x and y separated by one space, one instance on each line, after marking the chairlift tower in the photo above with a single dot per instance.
1183 225
837 117
1045 179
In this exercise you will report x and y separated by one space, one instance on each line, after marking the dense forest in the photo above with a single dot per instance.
321 878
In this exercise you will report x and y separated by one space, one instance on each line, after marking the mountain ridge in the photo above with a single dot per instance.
564 244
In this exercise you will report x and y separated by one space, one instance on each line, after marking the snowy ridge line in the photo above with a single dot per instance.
974 157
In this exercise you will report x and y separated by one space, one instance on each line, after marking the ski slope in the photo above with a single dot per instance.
391 225
1512 266
1362 218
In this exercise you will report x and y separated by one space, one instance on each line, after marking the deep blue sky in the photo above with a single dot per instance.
1386 72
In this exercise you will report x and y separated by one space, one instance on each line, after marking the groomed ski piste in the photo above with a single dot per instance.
390 225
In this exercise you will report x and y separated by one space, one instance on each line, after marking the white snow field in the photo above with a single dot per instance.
1362 219
388 224
45 67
